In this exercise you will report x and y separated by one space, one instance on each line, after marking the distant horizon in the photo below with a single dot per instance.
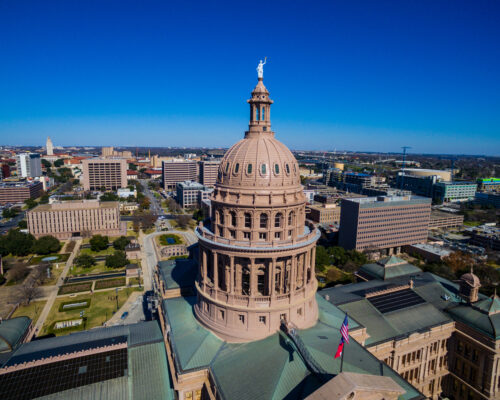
360 75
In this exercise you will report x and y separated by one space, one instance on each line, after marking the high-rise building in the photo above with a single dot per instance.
29 165
49 147
109 173
76 218
175 171
208 172
454 191
191 194
383 223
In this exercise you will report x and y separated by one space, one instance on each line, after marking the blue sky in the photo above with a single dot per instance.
344 75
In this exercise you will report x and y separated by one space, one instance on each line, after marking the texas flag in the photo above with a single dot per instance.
344 331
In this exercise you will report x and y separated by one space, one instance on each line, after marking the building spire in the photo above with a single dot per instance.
260 107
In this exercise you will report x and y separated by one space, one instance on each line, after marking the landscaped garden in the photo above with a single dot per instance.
75 288
110 283
169 239
102 307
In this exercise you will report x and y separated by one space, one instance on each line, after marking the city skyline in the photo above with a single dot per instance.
376 77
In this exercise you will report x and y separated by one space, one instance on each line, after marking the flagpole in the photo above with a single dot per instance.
343 351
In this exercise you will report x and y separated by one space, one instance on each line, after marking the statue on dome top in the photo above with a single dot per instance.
260 68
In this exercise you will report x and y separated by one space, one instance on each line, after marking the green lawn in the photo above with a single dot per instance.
60 258
32 310
99 268
102 307
55 273
106 252
130 230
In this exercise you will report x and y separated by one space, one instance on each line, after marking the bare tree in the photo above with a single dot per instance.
17 272
28 292
183 221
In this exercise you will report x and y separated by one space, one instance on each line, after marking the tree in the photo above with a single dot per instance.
109 197
322 258
44 199
459 261
84 261
19 243
121 243
28 291
30 203
17 272
132 167
46 163
338 255
198 215
98 243
144 204
59 163
10 212
46 245
183 221
117 260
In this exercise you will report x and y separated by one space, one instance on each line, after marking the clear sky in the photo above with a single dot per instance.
344 75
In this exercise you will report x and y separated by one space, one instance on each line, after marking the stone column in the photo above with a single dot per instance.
231 275
282 277
216 273
272 280
204 265
293 274
253 278
307 264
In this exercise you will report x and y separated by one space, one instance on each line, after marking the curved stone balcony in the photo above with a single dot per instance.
311 235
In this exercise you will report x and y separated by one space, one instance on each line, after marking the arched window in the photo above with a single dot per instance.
276 169
291 217
257 114
236 168
245 281
277 220
264 169
249 169
248 220
263 116
221 217
263 220
233 218
287 167
227 167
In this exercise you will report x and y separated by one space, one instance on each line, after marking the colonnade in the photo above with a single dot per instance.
256 276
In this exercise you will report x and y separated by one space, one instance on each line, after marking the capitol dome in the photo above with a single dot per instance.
257 254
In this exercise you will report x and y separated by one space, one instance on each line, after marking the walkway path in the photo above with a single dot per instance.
54 290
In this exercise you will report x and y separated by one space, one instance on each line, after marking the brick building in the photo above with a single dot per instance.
174 172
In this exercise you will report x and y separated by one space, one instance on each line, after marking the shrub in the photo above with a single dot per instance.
117 260
85 261
46 245
121 243
110 283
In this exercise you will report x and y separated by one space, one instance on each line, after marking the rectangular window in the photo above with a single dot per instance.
241 317
262 235
221 314
262 319
246 235
277 235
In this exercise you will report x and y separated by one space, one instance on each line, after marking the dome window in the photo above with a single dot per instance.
227 168
236 168
263 169
287 168
249 169
276 169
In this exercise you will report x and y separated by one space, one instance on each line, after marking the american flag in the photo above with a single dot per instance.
344 331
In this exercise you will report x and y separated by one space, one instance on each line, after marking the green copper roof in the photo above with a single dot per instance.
180 273
387 268
490 305
12 331
270 368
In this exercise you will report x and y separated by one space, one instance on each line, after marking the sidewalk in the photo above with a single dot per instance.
53 295
116 317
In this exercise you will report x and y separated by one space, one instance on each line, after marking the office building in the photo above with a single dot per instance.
488 184
488 199
4 171
442 337
419 185
76 218
108 173
49 147
485 236
441 219
383 223
18 192
191 194
454 191
175 171
29 165
323 213
208 172
111 152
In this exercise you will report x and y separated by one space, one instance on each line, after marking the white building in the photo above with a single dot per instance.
29 165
